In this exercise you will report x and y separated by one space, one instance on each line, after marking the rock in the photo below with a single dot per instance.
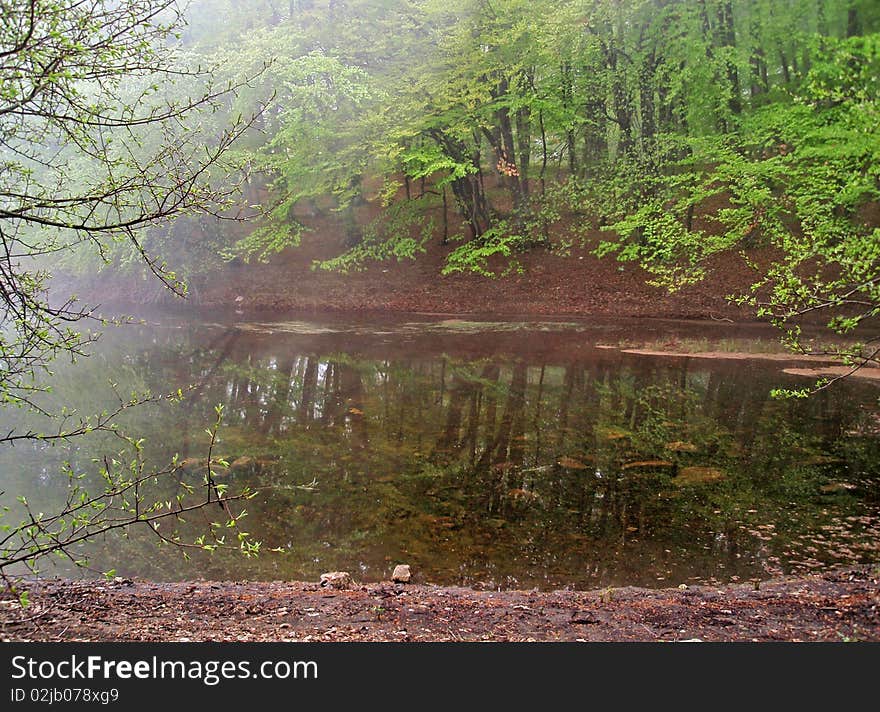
192 464
821 460
337 579
401 574
649 464
523 496
198 465
837 487
583 618
609 433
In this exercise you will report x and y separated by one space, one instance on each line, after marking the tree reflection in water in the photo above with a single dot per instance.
521 459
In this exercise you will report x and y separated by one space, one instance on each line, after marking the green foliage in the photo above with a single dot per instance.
268 239
497 244
102 140
685 127
604 94
106 137
400 233
121 492
797 176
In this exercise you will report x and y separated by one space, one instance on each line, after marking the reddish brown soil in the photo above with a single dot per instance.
837 606
550 284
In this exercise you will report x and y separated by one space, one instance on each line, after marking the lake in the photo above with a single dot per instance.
492 454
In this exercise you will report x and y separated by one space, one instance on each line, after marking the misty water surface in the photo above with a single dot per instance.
483 453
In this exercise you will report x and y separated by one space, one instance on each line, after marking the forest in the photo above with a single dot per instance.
677 130
547 293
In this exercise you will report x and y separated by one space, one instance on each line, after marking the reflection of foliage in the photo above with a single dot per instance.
493 469
656 416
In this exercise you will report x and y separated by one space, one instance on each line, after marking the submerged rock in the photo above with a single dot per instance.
680 446
610 433
837 487
698 475
196 465
571 464
245 463
191 464
340 580
401 574
523 496
649 464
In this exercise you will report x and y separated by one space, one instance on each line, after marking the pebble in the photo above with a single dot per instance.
401 574
337 579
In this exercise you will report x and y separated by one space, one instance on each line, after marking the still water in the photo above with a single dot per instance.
487 454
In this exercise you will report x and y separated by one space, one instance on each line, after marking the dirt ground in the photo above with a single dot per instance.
840 606
548 285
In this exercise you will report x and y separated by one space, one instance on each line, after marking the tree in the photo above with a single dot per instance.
518 124
125 492
95 148
104 136
800 175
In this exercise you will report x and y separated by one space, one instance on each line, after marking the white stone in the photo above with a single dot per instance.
401 574
337 579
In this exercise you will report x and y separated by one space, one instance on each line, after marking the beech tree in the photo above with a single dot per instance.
101 139
801 176
497 127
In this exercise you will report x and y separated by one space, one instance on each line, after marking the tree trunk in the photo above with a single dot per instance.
543 152
445 218
623 106
567 101
501 139
821 18
759 83
853 25
524 143
647 83
468 192
728 41
786 71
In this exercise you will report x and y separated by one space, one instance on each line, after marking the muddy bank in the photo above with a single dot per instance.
840 606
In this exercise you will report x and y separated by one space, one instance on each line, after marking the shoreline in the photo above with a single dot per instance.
839 605
578 284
